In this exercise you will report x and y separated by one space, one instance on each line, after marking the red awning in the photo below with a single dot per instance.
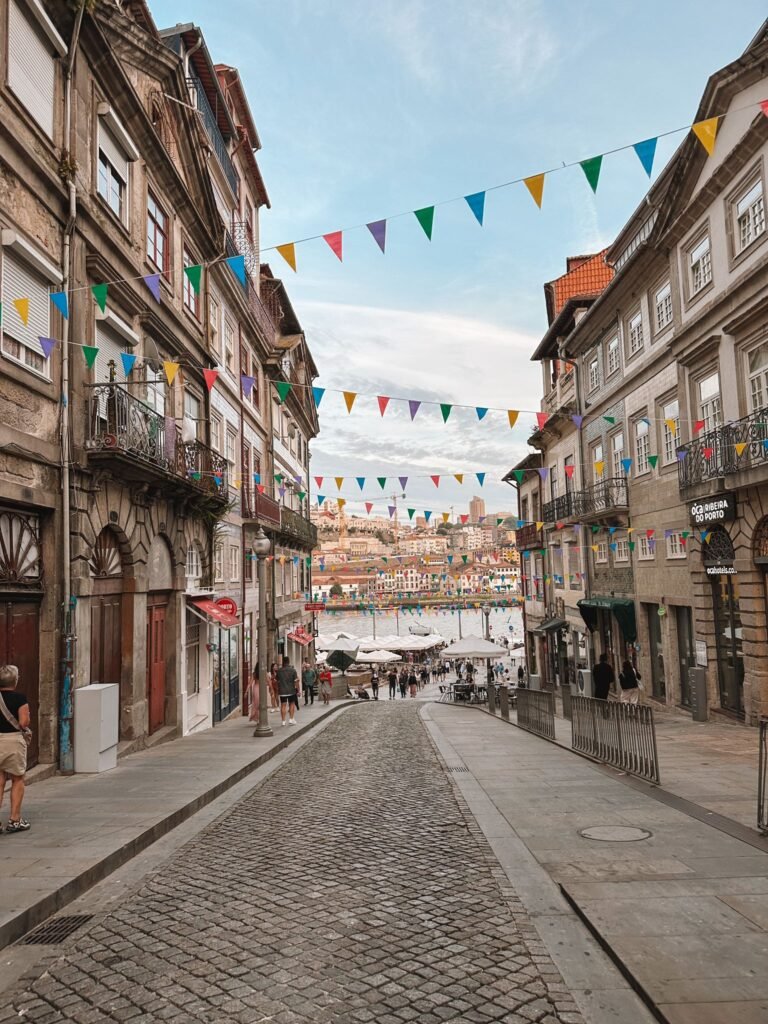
300 636
211 611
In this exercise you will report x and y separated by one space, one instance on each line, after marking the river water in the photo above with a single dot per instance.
446 623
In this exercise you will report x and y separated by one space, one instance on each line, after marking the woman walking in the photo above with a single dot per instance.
15 735
413 681
272 684
326 681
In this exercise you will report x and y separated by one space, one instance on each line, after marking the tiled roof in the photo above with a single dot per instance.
586 276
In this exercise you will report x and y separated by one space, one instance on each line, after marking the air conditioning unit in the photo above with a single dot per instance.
534 682
584 682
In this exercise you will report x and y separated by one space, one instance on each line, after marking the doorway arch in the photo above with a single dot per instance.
105 567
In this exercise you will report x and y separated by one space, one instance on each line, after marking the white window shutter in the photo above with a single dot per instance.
110 345
113 151
31 67
20 281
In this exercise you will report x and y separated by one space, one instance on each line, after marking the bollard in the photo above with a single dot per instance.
492 698
504 703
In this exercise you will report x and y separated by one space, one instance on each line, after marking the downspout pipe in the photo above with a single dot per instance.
66 702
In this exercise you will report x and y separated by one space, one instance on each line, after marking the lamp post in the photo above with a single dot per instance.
487 615
261 548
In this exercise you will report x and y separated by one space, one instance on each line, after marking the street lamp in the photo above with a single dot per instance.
487 614
261 548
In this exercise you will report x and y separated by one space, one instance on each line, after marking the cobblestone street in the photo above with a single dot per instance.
351 886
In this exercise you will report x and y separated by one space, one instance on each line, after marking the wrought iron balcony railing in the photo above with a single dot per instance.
296 526
528 537
559 508
561 395
602 498
201 464
714 454
260 506
197 92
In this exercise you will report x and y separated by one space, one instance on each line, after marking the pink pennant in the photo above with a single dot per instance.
383 403
334 240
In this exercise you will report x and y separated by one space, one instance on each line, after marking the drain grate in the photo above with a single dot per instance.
457 768
56 930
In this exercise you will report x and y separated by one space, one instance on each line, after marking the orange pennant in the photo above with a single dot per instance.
288 252
349 398
22 308
512 414
459 477
535 185
339 481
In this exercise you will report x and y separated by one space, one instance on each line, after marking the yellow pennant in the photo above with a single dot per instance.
339 481
459 477
707 535
594 548
540 526
288 252
342 502
512 414
672 425
706 133
171 369
349 398
630 529
446 516
599 468
740 448
22 308
535 185
281 559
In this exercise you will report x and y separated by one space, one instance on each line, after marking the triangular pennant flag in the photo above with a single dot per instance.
600 467
368 507
279 477
480 478
237 265
612 530
48 345
257 478
652 460
476 203
383 403
288 252
317 396
413 408
90 352
210 378
382 481
577 421
543 472
339 481
360 482
319 480
535 185
480 412
341 502
320 499
426 218
171 369
411 512
541 419
435 480
349 399
391 509
591 170
246 383
764 107
464 519
334 241
378 229
740 446
646 151
445 409
708 452
450 559
427 514
512 415
152 281
22 308
128 359
697 426
100 295
261 488
610 419
459 477
283 388
631 545
671 426
626 465
682 453
706 133
595 529
446 516
61 302
649 533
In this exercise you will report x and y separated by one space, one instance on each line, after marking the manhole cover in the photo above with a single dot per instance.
615 833
56 930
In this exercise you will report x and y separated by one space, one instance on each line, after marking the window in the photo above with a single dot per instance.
641 446
113 172
663 305
574 565
750 216
157 234
31 63
234 563
594 374
244 361
675 544
218 563
601 555
191 298
613 355
568 469
598 471
229 345
215 431
671 416
617 454
192 653
646 551
757 370
553 481
20 341
557 567
635 327
256 389
701 265
230 453
214 321
710 407
194 567
192 417
621 553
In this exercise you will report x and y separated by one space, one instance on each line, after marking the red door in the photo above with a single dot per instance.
156 665
19 645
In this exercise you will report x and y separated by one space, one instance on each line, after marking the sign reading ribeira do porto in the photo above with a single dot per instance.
713 510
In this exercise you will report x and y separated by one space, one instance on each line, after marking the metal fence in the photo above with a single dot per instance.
536 712
566 695
762 778
622 735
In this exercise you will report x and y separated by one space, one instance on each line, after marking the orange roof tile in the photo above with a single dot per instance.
586 276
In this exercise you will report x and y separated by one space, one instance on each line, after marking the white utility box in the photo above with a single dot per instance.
534 682
97 711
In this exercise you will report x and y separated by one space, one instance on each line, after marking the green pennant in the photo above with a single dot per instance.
631 545
610 419
194 274
499 522
518 475
445 409
100 294
302 495
685 534
283 388
411 512
382 481
464 559
90 353
426 218
595 529
279 477
308 561
652 460
385 560
591 169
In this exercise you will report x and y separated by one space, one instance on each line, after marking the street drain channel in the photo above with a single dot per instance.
457 768
615 833
55 931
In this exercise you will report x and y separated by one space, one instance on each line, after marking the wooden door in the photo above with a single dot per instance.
156 665
20 646
106 632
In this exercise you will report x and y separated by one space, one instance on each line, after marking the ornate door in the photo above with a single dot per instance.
156 663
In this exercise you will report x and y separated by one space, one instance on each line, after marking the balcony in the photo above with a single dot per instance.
298 528
713 456
200 101
528 537
122 431
260 507
559 508
562 395
605 498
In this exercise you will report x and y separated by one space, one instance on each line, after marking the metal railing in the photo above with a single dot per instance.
622 735
605 496
528 537
212 129
120 422
260 506
714 454
559 508
297 527
536 712
762 778
207 469
566 696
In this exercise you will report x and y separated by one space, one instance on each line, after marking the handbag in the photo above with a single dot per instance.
13 722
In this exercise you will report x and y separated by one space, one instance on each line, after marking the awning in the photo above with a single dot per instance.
622 609
211 612
300 636
549 624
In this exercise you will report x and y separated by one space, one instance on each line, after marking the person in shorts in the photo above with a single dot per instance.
288 689
375 683
14 733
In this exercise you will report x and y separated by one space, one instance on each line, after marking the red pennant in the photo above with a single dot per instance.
559 526
569 471
383 403
708 453
464 519
319 480
334 240
541 419
260 488
764 107
649 533
368 507
210 377
697 426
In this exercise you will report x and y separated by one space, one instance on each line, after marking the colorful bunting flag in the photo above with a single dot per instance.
535 185
446 516
339 481
152 281
171 369
360 482
569 470
383 403
697 426
512 415
426 217
349 399
435 480
480 478
411 512
99 292
577 421
246 384
708 452
459 477
403 481
427 514
646 151
283 388
681 455
48 345
320 499
626 465
382 481
476 203
652 460
61 302
128 359
543 472
22 308
671 426
334 241
600 467
317 396
464 519
591 170
541 419
368 507
445 409
413 408
341 502
481 412
610 419
706 133
740 446
237 266
90 352
210 377
391 509
378 229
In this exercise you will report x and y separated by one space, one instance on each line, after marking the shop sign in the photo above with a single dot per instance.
701 653
227 605
713 510
720 570
314 606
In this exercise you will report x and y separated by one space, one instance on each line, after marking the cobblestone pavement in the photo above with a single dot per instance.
352 886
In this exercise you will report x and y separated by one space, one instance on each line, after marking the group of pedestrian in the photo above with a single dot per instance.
285 687
406 681
629 681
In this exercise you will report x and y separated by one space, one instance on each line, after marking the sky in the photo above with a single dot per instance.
370 110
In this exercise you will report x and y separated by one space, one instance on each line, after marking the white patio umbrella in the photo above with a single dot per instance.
377 657
472 647
348 645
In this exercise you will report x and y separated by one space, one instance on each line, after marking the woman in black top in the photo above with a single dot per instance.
14 725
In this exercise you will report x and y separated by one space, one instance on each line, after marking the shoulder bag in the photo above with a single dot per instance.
14 722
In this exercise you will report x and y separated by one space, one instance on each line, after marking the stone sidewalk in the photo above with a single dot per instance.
684 912
85 826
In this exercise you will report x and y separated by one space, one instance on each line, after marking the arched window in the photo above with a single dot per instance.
19 548
105 558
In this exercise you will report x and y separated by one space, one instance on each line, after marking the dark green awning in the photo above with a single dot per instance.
622 609
552 624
